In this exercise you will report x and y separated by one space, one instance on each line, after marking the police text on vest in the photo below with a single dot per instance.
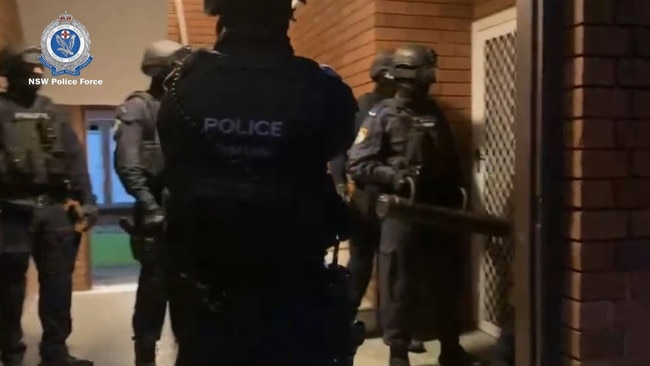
235 126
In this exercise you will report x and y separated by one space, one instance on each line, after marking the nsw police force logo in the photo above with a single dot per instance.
65 46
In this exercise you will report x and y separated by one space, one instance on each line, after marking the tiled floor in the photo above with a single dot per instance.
102 330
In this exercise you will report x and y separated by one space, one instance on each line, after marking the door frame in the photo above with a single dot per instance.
484 29
539 185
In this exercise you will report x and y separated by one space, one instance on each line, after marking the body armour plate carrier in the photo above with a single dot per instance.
32 153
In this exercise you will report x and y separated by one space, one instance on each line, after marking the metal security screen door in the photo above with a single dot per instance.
493 114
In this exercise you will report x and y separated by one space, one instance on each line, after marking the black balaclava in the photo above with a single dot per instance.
18 66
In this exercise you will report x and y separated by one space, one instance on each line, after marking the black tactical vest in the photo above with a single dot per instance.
260 148
32 155
431 150
152 158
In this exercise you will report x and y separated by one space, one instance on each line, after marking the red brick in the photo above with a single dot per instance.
591 71
587 286
593 345
590 133
598 103
639 284
600 41
640 106
584 12
641 163
640 224
598 225
590 194
632 255
633 134
642 42
637 342
597 164
594 315
632 73
632 193
632 12
591 256
632 313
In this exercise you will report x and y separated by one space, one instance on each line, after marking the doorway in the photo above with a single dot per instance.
493 116
100 147
111 254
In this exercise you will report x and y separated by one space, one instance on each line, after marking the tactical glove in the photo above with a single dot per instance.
153 220
400 179
91 213
342 190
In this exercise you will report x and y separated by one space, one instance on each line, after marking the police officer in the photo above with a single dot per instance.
384 88
247 130
404 139
44 191
138 163
365 226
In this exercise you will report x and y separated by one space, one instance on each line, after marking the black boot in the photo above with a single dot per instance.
399 357
456 356
417 346
14 356
68 361
12 360
145 353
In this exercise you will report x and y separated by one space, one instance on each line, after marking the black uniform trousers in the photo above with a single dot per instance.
282 315
152 296
364 241
157 283
264 305
55 244
150 304
419 271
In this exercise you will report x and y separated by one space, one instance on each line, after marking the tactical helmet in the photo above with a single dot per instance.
415 62
11 58
251 9
381 65
329 70
159 57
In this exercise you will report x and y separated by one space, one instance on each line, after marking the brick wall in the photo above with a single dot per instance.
200 27
339 33
11 31
484 8
445 25
10 27
607 304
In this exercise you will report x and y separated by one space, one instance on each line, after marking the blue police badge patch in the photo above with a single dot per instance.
65 46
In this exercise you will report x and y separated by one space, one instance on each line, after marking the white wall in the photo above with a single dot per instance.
119 30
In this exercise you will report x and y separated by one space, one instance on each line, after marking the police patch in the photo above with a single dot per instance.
361 136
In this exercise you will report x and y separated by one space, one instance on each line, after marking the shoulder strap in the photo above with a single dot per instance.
380 107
